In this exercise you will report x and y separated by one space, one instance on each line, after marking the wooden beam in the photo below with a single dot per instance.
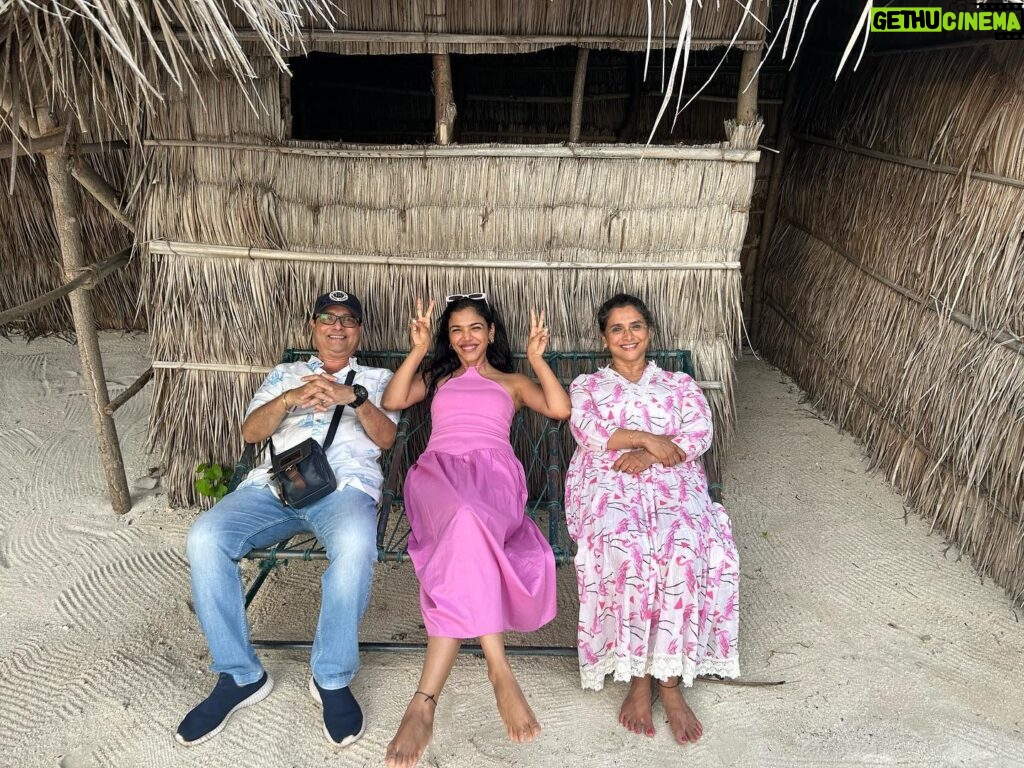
579 84
422 39
54 140
67 218
98 187
746 101
444 104
628 152
213 251
756 265
132 390
86 279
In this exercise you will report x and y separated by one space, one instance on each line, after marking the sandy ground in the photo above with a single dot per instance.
892 649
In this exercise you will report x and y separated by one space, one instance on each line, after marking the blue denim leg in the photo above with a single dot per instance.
346 524
244 520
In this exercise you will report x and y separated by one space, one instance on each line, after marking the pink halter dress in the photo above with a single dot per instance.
482 563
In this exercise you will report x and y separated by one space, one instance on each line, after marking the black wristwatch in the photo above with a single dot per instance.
361 395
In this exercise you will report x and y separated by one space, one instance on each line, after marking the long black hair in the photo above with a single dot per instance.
444 360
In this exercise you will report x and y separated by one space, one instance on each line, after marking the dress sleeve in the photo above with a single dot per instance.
272 386
695 429
590 430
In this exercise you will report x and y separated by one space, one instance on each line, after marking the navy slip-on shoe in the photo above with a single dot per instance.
343 718
211 715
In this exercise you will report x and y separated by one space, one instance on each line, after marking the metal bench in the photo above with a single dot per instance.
543 445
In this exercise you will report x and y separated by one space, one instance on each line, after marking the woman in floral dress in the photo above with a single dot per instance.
656 566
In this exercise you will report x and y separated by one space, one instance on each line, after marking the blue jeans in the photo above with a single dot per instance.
345 522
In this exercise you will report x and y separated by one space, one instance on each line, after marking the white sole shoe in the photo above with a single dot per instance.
348 740
254 698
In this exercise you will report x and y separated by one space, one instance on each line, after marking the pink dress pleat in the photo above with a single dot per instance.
482 563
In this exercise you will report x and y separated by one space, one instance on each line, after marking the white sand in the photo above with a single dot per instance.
893 651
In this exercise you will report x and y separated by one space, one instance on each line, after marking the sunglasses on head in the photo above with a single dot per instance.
479 296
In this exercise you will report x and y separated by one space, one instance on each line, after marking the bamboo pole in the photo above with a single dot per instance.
444 103
86 279
909 162
755 266
67 219
746 101
998 337
98 187
628 152
209 250
579 85
133 389
52 141
423 39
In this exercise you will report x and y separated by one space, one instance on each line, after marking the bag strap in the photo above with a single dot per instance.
335 420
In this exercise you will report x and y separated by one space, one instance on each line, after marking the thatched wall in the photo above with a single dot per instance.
893 290
325 218
30 260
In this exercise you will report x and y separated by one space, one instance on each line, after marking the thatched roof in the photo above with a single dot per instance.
105 59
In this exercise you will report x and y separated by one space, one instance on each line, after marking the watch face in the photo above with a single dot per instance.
361 393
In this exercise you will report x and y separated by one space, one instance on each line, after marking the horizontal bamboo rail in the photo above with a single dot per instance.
87 278
310 37
131 391
207 250
178 365
630 152
923 165
29 147
1002 338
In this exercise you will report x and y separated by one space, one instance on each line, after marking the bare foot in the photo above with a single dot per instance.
414 734
635 713
686 728
520 722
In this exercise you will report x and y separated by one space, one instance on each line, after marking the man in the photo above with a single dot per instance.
296 402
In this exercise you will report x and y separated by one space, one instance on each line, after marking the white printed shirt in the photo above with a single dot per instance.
352 455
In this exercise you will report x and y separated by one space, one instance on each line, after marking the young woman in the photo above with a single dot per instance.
483 565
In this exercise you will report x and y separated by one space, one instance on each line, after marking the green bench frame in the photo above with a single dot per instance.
543 445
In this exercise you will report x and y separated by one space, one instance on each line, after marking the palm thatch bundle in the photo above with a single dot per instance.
893 288
30 256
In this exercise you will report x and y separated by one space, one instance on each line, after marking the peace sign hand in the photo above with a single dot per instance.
419 326
539 335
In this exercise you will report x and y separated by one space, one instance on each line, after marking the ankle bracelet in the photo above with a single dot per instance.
431 697
663 685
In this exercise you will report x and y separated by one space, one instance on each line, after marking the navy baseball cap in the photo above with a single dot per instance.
340 298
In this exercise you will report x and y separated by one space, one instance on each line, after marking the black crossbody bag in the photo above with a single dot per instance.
303 472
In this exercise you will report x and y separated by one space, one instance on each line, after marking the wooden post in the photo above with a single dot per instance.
746 101
444 104
578 86
771 206
67 221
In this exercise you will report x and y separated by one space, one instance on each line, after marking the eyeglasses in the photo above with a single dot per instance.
326 318
618 330
480 296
